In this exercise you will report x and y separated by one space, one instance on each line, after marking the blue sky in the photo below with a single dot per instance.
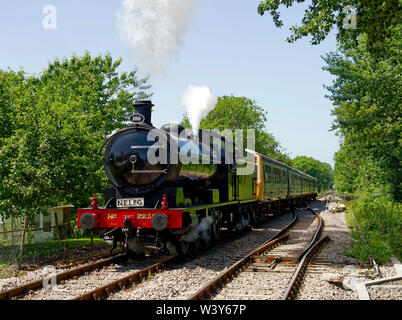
228 47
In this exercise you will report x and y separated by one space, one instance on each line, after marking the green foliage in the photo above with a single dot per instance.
367 98
52 127
317 169
51 247
380 221
368 115
373 18
346 169
243 113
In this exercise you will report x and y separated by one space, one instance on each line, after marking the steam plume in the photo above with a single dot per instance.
154 29
197 102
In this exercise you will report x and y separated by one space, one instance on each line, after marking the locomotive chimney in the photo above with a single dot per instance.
144 107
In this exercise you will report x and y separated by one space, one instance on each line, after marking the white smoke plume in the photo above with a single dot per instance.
201 231
197 102
154 29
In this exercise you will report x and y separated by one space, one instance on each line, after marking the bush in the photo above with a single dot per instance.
380 221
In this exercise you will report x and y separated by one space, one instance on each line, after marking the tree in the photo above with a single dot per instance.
54 126
366 91
346 169
242 113
367 99
320 170
366 95
373 18
12 88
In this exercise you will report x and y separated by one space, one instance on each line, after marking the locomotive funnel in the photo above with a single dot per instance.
144 107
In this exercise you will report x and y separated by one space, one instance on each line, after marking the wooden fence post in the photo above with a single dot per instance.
12 230
23 241
56 220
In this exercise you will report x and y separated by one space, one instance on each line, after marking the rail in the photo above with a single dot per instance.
227 275
38 284
297 277
316 234
304 259
126 281
295 282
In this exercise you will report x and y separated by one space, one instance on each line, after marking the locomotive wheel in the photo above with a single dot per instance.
241 222
179 247
183 248
216 230
216 225
196 245
253 220
253 217
207 235
135 248
206 240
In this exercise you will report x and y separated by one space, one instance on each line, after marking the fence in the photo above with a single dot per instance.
21 244
16 239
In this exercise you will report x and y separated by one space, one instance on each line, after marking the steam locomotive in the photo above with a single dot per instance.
179 206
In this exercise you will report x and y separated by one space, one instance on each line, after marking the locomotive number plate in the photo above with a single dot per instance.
144 216
127 203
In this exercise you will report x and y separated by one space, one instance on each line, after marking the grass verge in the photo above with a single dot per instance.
380 221
51 250
44 249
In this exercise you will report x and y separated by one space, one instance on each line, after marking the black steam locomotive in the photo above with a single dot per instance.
180 205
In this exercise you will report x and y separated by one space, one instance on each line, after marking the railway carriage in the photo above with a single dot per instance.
182 206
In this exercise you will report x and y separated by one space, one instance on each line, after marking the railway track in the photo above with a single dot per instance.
272 271
297 278
73 270
85 279
87 282
139 276
88 260
126 281
183 277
